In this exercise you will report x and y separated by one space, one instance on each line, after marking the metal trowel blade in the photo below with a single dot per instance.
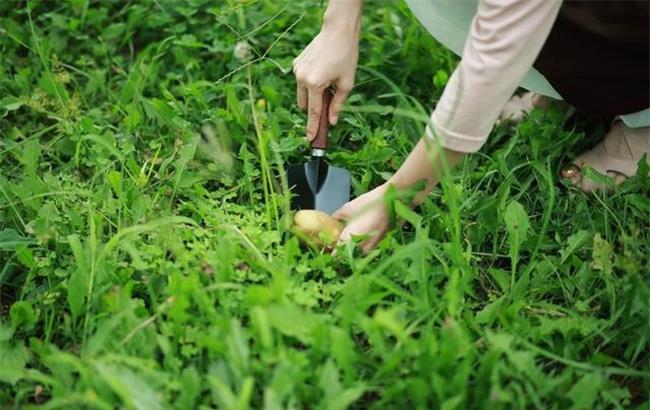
318 185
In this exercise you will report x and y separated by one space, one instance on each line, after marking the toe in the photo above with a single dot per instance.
571 172
619 178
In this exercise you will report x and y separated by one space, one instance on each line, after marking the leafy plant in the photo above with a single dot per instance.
145 258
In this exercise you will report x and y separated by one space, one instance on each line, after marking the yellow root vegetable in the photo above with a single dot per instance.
316 229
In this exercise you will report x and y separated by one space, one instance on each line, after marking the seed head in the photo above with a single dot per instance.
242 51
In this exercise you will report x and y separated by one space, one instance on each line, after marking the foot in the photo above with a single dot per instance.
616 156
520 105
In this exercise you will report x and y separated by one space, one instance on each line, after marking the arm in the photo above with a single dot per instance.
367 215
330 59
429 162
505 39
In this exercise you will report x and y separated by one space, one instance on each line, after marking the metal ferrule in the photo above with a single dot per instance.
317 152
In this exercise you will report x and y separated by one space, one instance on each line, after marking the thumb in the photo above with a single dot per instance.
342 213
342 239
340 95
344 236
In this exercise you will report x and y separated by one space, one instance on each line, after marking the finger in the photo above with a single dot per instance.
301 91
295 64
370 244
301 96
345 236
342 91
342 213
343 239
315 102
335 248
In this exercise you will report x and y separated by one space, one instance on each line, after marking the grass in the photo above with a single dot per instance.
145 260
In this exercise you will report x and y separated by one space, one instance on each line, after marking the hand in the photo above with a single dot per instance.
365 216
331 58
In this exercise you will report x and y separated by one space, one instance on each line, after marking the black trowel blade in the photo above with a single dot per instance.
318 185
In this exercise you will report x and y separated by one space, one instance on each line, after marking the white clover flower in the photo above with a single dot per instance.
242 51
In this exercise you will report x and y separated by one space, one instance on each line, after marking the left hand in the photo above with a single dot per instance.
365 216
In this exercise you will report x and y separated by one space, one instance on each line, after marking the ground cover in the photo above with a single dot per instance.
145 257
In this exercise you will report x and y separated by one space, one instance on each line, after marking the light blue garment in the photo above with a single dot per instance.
637 119
449 21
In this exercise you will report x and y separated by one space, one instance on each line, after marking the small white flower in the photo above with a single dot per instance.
242 51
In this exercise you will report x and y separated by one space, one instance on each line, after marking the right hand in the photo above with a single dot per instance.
365 216
330 58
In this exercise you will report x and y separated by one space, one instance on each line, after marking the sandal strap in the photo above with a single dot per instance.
619 152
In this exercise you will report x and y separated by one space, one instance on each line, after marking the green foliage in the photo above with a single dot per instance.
517 226
145 260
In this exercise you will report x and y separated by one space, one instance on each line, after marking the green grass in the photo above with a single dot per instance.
145 260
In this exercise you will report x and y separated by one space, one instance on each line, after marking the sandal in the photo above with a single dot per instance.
616 156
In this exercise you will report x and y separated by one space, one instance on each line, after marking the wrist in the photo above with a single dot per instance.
405 183
423 168
400 183
343 15
411 193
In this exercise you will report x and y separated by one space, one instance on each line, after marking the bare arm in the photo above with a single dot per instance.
428 161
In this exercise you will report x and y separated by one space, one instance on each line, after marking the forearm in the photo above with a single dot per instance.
343 15
427 162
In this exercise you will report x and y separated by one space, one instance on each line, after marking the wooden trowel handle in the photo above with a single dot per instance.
320 142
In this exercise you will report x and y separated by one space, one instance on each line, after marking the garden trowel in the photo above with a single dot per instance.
316 184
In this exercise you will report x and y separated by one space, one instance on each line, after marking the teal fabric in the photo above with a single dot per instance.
638 119
449 21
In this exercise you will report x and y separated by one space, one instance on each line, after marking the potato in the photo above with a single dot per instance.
316 228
